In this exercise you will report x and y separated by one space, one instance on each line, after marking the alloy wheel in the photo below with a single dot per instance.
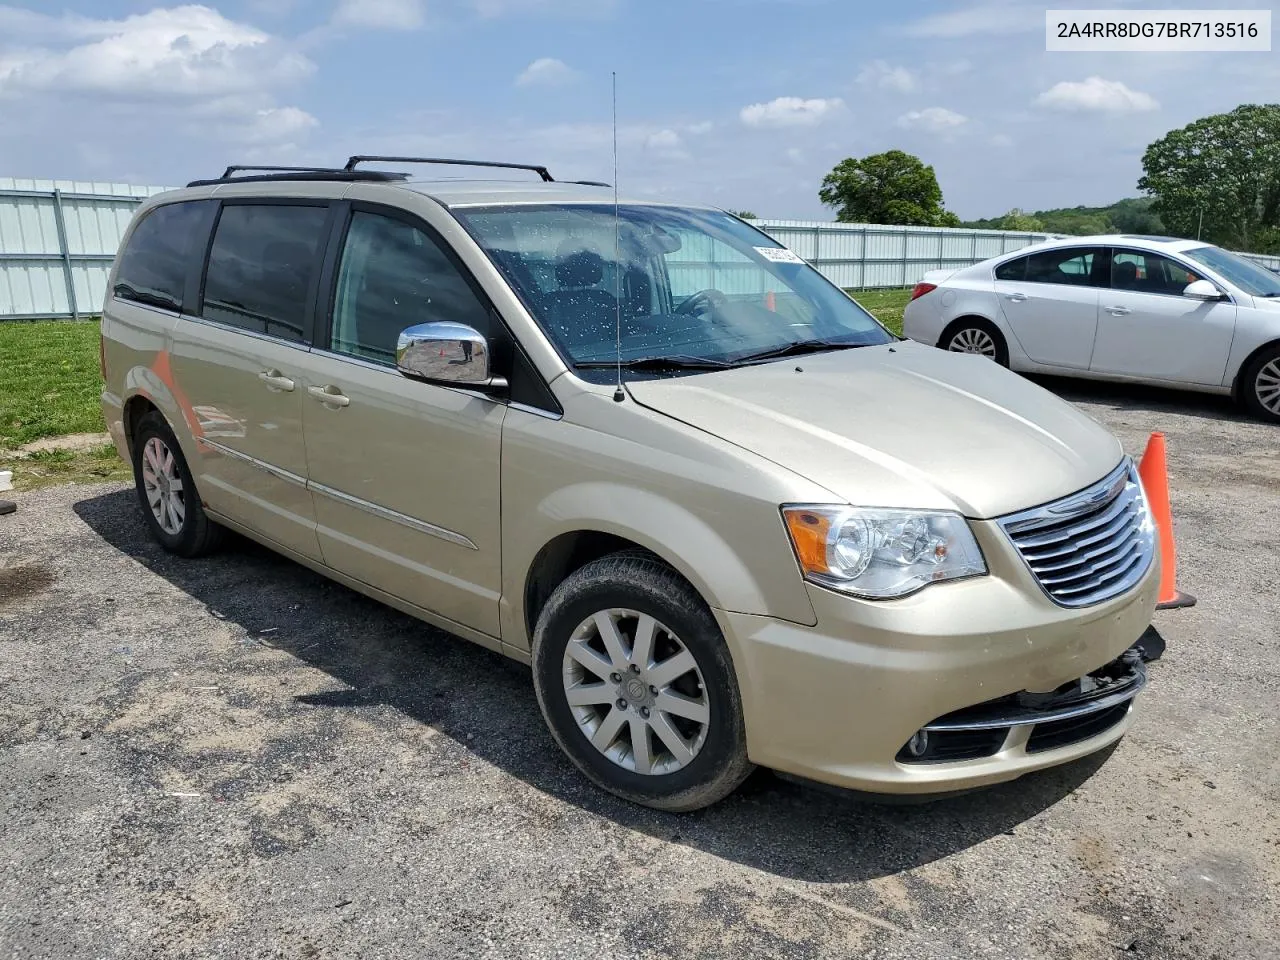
1267 386
163 485
636 692
973 340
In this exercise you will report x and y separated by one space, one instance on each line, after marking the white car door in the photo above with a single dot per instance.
1148 329
1050 302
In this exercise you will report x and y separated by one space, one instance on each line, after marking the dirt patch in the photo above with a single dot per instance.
75 442
23 580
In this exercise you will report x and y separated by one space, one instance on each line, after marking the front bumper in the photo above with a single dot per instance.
837 702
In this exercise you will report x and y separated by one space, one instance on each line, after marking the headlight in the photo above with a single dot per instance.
881 553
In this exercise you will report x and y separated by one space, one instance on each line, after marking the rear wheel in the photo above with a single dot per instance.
636 683
1260 385
167 492
976 335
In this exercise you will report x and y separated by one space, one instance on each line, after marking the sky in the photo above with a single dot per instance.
745 104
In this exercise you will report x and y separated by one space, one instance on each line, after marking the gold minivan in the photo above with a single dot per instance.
725 516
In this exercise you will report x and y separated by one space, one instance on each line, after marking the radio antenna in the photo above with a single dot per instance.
618 394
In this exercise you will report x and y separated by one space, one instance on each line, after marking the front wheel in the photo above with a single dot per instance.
636 683
975 335
1260 385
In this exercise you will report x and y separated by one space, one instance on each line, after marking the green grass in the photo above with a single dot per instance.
47 467
885 305
49 380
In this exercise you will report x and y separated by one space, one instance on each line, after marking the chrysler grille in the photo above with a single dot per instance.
1090 546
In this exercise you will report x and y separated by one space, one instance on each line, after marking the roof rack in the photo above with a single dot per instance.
539 170
227 173
295 173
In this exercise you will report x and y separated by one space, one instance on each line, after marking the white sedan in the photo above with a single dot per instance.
1176 313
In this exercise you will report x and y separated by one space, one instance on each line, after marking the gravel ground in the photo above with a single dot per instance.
234 758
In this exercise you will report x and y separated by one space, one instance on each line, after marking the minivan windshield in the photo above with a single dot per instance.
1245 274
693 289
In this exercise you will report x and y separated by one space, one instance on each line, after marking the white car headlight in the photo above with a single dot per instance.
881 554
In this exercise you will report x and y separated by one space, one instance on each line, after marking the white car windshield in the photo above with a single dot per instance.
1245 274
691 288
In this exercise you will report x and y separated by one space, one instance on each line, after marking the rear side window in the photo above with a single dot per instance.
1013 270
1071 265
153 265
261 265
394 276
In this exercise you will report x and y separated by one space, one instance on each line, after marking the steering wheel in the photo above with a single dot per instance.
708 299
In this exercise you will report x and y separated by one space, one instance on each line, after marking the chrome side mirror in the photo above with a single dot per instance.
446 353
1203 290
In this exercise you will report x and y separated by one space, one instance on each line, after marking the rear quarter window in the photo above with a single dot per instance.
153 265
1013 270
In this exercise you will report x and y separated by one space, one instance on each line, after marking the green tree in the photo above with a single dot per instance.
893 187
1019 219
745 215
1224 169
1135 215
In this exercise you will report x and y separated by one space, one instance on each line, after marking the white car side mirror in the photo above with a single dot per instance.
1202 290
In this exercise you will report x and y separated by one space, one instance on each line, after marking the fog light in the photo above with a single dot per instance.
918 745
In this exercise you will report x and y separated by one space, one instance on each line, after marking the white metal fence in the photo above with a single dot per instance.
58 237
57 240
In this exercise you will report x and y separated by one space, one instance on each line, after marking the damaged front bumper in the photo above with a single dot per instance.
1033 722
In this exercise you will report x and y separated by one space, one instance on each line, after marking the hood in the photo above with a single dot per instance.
899 426
1271 304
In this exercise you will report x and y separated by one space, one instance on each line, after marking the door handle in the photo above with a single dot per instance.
330 395
275 380
1118 311
1016 297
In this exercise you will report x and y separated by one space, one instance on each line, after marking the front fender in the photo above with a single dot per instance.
717 569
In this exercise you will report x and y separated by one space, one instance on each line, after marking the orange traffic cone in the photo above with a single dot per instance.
1155 481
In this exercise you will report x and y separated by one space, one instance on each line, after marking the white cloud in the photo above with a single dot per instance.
1001 140
699 128
271 124
983 18
381 14
665 139
880 74
790 112
932 120
545 72
181 52
1096 95
185 66
666 144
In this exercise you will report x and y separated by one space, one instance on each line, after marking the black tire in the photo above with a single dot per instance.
1268 360
195 534
958 327
641 583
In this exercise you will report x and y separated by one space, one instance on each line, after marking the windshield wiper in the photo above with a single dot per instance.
795 349
657 363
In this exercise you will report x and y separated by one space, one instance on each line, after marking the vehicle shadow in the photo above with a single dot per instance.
1139 396
485 702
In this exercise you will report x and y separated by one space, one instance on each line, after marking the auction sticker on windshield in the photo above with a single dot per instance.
1148 31
778 255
